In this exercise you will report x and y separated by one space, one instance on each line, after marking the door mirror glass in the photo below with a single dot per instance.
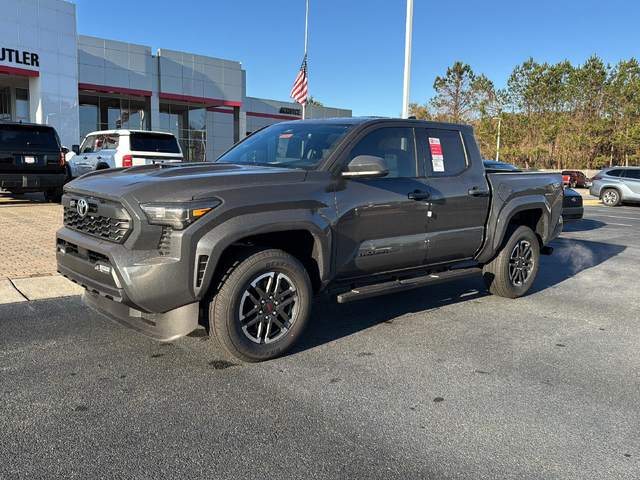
75 149
366 166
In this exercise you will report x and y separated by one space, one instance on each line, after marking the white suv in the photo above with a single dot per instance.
123 148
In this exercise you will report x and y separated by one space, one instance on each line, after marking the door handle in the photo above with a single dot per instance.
419 195
478 192
85 157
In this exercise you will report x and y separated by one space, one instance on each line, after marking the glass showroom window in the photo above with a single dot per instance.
22 104
5 104
111 113
189 125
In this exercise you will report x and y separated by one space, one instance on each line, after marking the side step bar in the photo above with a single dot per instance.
394 286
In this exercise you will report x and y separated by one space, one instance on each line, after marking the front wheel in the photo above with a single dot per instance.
261 306
53 195
513 270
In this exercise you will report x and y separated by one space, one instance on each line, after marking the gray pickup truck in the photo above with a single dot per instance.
359 207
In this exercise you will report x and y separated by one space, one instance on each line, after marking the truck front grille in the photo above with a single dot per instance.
105 220
572 201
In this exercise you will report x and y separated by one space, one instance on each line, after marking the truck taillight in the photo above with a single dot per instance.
127 161
62 159
182 159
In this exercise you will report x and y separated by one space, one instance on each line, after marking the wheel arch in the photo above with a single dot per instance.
305 239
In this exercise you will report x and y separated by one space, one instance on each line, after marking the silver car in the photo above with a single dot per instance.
616 185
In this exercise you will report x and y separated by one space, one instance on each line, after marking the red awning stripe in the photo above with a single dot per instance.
118 90
21 72
187 98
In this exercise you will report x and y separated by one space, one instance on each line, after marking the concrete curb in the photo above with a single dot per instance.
37 288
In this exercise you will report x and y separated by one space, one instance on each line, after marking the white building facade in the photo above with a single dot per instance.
79 84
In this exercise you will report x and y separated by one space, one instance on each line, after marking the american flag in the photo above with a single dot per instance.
299 91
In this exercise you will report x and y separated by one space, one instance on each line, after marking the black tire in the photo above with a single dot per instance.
513 270
610 197
53 195
245 290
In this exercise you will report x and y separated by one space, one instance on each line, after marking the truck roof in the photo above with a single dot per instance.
364 120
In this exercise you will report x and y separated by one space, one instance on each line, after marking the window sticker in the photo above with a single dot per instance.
437 160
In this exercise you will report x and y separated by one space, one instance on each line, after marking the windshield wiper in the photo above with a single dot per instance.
34 143
164 150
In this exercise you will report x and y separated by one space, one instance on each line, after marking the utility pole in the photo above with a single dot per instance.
407 60
306 42
498 143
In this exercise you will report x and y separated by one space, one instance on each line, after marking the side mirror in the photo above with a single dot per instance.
366 166
75 149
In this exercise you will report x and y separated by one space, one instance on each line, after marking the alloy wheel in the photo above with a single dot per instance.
269 307
521 263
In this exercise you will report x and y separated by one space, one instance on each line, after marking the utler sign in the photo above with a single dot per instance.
19 57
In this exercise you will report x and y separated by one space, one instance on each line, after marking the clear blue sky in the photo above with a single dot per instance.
356 47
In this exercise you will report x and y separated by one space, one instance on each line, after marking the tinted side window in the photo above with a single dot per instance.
445 153
632 174
395 145
615 173
87 145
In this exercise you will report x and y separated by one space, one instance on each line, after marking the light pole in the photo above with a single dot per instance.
407 60
498 142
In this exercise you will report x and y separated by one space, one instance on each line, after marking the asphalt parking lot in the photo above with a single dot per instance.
446 382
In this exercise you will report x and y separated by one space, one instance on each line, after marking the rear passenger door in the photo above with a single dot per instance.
459 197
632 180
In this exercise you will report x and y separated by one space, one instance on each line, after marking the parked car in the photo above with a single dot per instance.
616 185
360 207
495 166
32 160
123 148
575 178
572 208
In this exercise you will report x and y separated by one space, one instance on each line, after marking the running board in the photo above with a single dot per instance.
394 286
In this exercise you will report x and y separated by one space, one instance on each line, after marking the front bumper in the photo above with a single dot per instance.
150 293
31 182
572 214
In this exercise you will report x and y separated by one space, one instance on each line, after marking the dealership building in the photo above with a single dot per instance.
79 84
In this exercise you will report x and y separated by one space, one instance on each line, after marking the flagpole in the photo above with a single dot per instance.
407 60
306 41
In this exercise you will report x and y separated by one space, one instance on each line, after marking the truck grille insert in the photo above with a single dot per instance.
164 245
202 266
572 201
107 221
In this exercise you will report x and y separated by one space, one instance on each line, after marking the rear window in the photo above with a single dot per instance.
154 142
567 172
615 173
28 137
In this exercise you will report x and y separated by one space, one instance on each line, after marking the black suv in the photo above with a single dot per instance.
32 160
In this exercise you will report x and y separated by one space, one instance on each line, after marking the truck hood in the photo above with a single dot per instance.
181 182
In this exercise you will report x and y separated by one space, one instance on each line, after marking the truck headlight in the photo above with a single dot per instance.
178 215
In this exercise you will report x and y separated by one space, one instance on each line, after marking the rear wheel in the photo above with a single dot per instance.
53 195
261 306
611 197
513 270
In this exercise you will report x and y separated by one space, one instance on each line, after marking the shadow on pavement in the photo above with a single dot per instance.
583 225
330 321
10 199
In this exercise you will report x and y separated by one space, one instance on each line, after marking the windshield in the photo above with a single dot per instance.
292 145
154 142
25 136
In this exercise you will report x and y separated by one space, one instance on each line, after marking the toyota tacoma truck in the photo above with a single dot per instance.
357 207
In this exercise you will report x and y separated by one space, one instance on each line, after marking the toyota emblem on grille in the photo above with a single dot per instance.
82 207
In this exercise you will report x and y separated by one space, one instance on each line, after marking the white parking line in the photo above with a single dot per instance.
620 224
612 216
